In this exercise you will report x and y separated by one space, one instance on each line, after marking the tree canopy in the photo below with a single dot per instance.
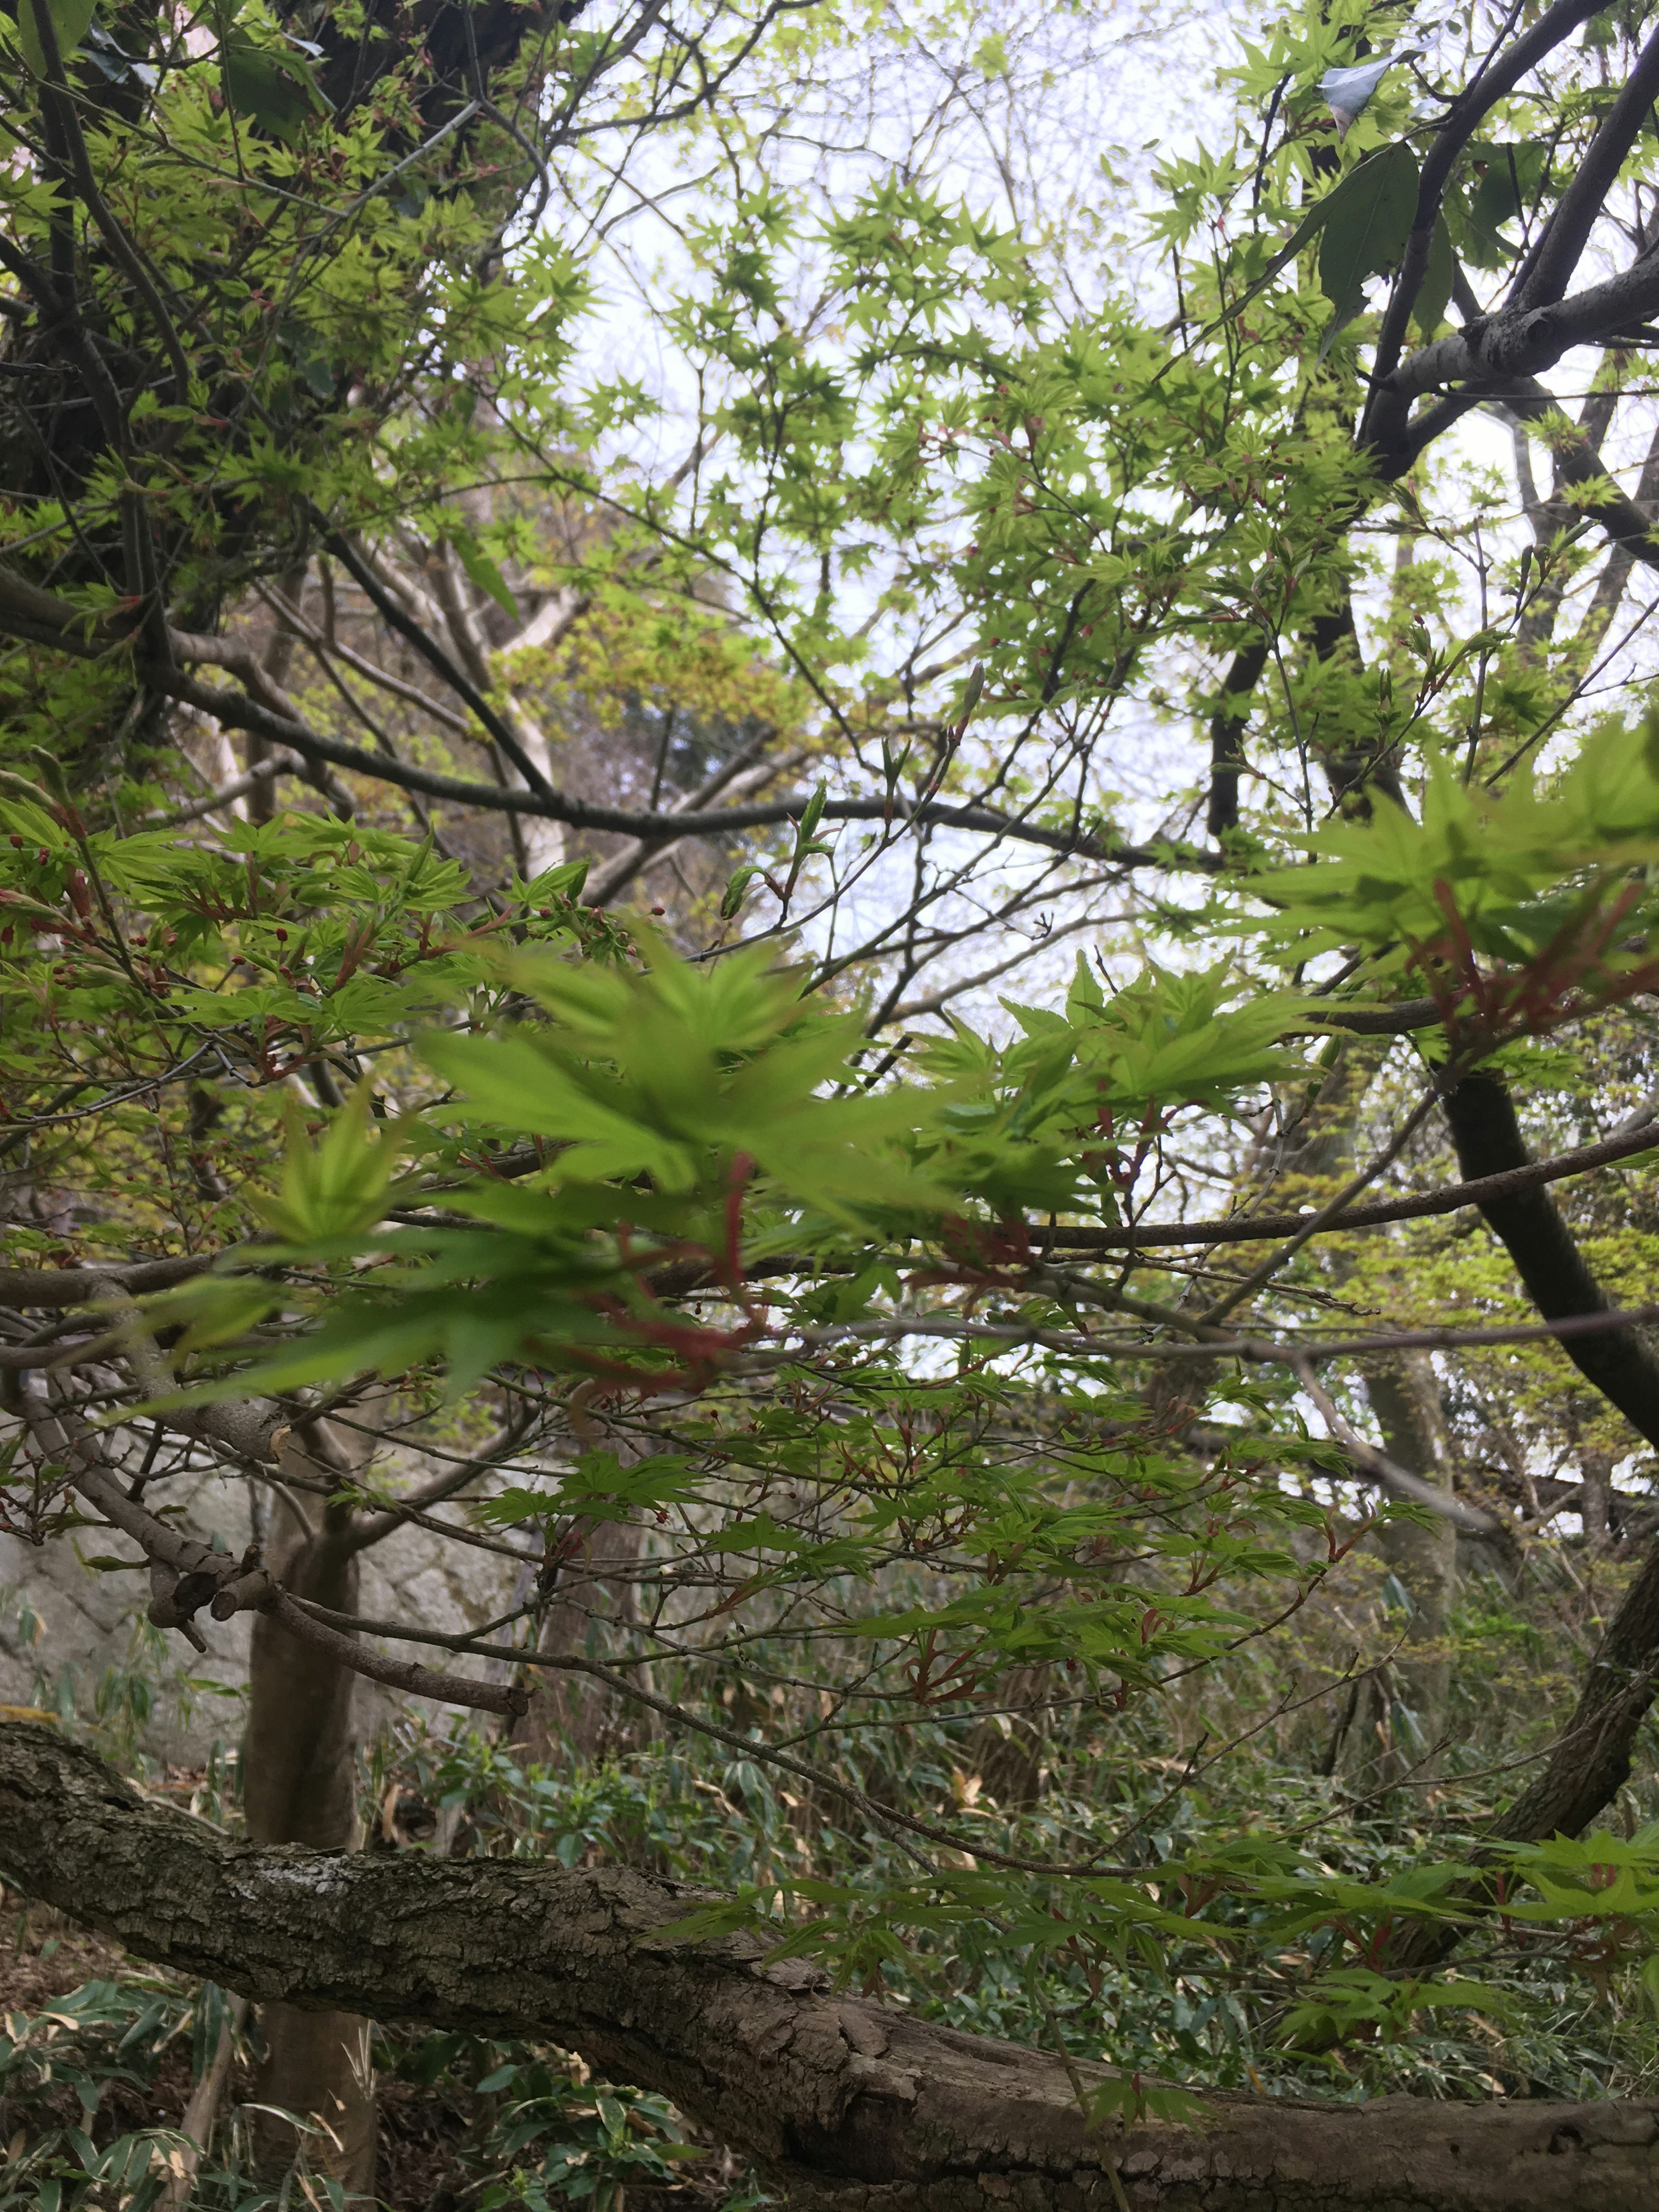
894 928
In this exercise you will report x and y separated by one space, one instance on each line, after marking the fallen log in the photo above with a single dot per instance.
848 2104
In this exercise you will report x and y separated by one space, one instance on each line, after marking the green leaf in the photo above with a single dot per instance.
1347 206
563 882
1365 231
736 888
1434 295
337 1187
484 574
274 89
599 1488
1509 178
70 19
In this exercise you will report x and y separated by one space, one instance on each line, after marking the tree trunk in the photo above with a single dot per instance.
568 1714
1595 1498
1011 1755
850 2104
299 1786
1619 1363
1591 1762
595 1588
1399 1731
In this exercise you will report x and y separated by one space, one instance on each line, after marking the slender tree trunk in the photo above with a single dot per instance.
1011 1755
201 2113
1595 1499
1592 1759
595 1594
278 653
1401 1725
299 1786
849 2105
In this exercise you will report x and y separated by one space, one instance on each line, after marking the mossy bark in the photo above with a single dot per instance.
849 2105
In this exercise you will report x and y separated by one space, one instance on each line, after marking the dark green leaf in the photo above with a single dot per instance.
71 20
1507 181
276 91
1435 294
484 576
1366 233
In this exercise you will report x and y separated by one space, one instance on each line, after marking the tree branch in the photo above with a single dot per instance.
1545 275
846 2102
1493 80
187 1575
244 714
1619 1362
1496 355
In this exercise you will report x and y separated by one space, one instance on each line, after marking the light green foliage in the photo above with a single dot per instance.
336 1188
770 1256
1512 861
676 1074
1359 1998
1523 905
1081 1082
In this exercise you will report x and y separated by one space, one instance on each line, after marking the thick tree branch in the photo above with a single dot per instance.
847 2103
1548 270
1619 1362
1495 355
67 1287
1497 77
1227 722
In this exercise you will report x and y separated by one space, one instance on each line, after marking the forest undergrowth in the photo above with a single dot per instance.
100 2055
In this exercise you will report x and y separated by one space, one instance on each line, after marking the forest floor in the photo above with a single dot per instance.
44 1956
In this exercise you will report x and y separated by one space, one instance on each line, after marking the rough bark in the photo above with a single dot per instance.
845 2102
1595 1496
1011 1755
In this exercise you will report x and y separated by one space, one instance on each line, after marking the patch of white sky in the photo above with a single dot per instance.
1050 121
1045 121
